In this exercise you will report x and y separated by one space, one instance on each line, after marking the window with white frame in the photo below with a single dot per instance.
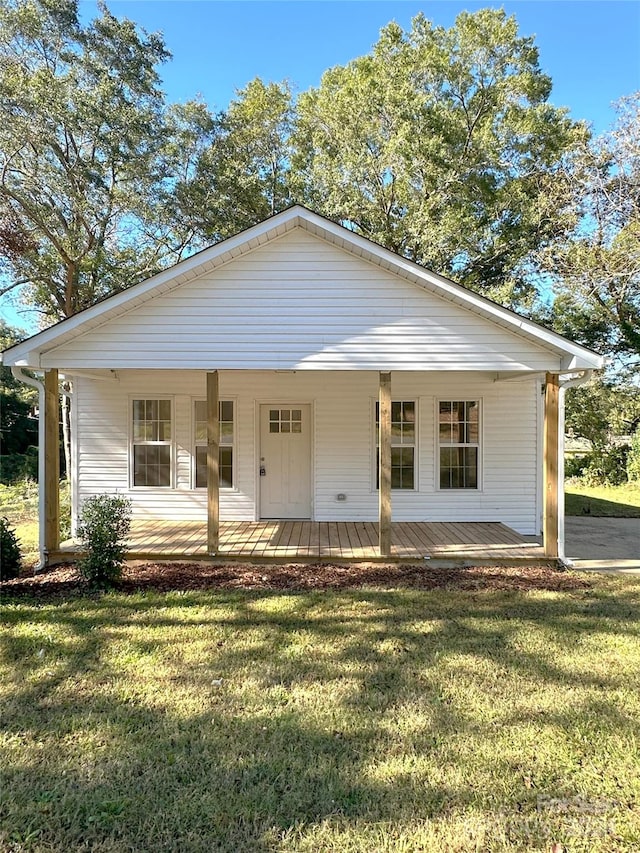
459 443
151 441
226 454
403 444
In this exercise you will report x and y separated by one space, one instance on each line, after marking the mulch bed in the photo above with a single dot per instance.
166 577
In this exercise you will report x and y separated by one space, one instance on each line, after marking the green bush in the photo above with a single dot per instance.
104 525
574 466
10 557
606 467
633 459
18 466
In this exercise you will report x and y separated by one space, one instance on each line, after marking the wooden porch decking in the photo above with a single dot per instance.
462 542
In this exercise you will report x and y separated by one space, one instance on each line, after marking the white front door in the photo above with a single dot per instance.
285 461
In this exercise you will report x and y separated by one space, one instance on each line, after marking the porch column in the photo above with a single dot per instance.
551 463
384 466
51 484
213 462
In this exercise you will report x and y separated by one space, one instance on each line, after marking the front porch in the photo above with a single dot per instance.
457 542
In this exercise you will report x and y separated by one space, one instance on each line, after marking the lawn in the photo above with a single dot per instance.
351 720
607 501
19 504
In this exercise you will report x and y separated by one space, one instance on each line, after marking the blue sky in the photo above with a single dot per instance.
591 50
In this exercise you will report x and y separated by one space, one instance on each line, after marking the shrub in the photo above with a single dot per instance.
17 466
607 467
10 557
574 466
104 525
633 459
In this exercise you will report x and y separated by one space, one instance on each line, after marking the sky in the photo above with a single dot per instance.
589 48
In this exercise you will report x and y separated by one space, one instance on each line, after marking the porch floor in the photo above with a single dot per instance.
461 542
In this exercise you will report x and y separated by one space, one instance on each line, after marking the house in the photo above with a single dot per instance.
300 371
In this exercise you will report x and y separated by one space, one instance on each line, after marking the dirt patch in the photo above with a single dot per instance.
166 577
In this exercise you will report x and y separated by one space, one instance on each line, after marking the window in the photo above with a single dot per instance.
403 444
225 411
152 436
459 441
285 420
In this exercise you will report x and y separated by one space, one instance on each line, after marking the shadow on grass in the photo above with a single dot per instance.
122 737
584 505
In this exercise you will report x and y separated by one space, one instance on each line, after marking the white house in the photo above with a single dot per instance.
247 382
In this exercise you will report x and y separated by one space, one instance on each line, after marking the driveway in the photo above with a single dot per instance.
603 543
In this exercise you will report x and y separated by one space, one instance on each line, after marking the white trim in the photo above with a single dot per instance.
560 497
31 352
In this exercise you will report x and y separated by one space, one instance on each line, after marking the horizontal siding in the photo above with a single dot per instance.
301 303
343 440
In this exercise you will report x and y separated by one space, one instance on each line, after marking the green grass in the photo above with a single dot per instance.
19 503
364 720
607 501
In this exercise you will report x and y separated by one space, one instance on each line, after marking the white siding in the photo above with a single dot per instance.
343 441
302 303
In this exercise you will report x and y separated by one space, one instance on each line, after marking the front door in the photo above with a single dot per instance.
285 461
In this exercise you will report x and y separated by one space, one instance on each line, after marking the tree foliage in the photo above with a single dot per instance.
603 410
441 145
81 154
633 459
18 429
243 175
596 265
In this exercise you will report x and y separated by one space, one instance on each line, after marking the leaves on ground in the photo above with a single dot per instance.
162 577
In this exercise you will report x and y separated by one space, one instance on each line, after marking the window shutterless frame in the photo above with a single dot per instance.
151 442
228 460
458 430
404 445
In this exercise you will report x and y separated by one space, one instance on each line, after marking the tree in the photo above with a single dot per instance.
603 410
440 145
18 428
595 264
89 158
243 175
82 151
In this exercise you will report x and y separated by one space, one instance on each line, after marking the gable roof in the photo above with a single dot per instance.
31 351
